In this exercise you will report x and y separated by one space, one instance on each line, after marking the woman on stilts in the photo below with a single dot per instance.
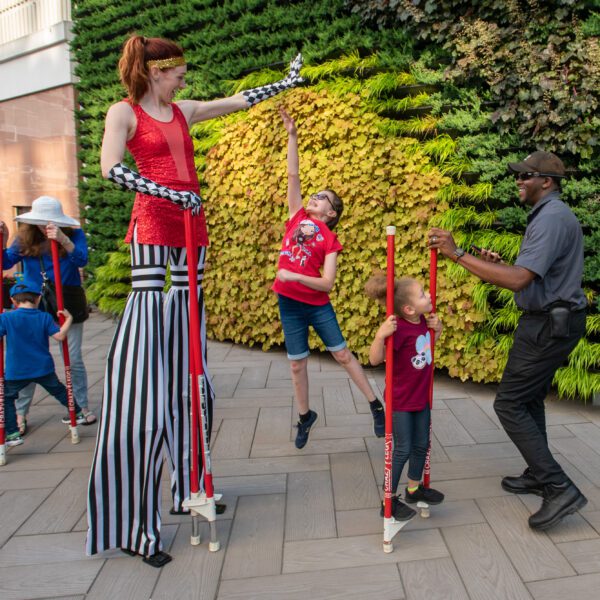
146 389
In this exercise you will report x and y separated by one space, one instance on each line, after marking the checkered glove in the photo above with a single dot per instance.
125 177
256 95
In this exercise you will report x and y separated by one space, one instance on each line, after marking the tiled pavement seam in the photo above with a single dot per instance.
306 524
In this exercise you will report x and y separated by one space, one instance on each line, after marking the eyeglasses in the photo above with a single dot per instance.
323 196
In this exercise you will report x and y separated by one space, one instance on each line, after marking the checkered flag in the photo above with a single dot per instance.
256 95
130 180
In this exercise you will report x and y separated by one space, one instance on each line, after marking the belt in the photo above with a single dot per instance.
540 313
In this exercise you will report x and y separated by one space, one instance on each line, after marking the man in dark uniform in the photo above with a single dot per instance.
546 279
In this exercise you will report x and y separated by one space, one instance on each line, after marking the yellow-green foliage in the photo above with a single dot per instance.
388 171
382 180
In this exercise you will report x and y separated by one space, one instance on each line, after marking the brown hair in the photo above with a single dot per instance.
137 51
338 206
32 242
376 288
23 297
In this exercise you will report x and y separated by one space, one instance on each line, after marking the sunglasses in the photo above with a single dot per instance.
323 196
527 176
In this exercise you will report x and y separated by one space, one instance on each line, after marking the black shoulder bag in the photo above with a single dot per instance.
73 297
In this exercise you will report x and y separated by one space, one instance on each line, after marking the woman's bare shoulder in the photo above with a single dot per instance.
121 112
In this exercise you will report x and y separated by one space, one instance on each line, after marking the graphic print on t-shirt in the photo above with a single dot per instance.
423 348
303 240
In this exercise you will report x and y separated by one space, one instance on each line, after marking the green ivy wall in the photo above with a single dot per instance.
416 98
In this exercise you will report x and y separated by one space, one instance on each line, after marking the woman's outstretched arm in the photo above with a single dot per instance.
195 110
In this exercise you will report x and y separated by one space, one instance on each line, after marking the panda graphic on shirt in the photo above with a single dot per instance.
423 352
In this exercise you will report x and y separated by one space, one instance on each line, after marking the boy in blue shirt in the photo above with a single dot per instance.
28 357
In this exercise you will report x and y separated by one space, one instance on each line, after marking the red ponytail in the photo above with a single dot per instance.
137 51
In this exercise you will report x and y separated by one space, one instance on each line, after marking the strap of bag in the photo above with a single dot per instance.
45 279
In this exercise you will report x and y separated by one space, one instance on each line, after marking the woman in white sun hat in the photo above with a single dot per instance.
47 221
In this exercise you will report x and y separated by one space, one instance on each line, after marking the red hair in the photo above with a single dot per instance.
137 51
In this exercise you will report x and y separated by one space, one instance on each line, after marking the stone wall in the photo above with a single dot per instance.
38 151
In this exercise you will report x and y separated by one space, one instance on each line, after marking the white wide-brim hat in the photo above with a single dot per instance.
44 210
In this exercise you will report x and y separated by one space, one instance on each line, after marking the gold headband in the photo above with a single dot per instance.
167 63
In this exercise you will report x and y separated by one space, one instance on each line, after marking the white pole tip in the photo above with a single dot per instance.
195 540
214 546
390 230
388 547
74 436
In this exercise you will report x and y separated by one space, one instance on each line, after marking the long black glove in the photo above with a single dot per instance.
256 95
127 178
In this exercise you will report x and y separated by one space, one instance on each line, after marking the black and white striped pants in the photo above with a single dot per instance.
146 405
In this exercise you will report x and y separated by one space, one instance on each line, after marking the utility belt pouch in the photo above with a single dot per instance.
560 317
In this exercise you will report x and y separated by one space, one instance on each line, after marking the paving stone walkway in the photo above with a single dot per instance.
305 525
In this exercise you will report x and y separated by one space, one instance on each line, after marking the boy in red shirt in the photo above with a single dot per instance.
306 273
413 370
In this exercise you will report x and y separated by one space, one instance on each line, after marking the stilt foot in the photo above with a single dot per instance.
424 510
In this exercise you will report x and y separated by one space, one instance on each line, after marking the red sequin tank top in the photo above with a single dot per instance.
164 153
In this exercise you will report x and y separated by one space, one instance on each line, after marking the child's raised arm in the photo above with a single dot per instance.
62 334
377 349
294 193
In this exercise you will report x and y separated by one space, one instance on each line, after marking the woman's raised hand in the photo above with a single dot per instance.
4 230
288 122
293 78
53 232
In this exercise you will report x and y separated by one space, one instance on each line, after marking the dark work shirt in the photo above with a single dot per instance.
552 248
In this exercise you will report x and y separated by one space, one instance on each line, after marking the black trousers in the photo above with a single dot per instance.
532 362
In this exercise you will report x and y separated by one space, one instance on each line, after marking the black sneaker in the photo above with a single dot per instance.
304 429
523 484
378 421
400 511
80 419
424 494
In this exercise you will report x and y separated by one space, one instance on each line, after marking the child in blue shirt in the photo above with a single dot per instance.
28 357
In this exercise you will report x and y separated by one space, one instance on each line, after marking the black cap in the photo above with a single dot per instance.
544 163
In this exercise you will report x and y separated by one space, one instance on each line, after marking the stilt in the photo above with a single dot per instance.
390 526
2 429
65 344
199 503
423 506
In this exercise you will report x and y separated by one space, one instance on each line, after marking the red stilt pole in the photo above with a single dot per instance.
199 503
389 370
433 294
65 345
2 430
390 526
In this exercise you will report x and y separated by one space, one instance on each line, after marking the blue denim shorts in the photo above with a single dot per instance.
296 317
